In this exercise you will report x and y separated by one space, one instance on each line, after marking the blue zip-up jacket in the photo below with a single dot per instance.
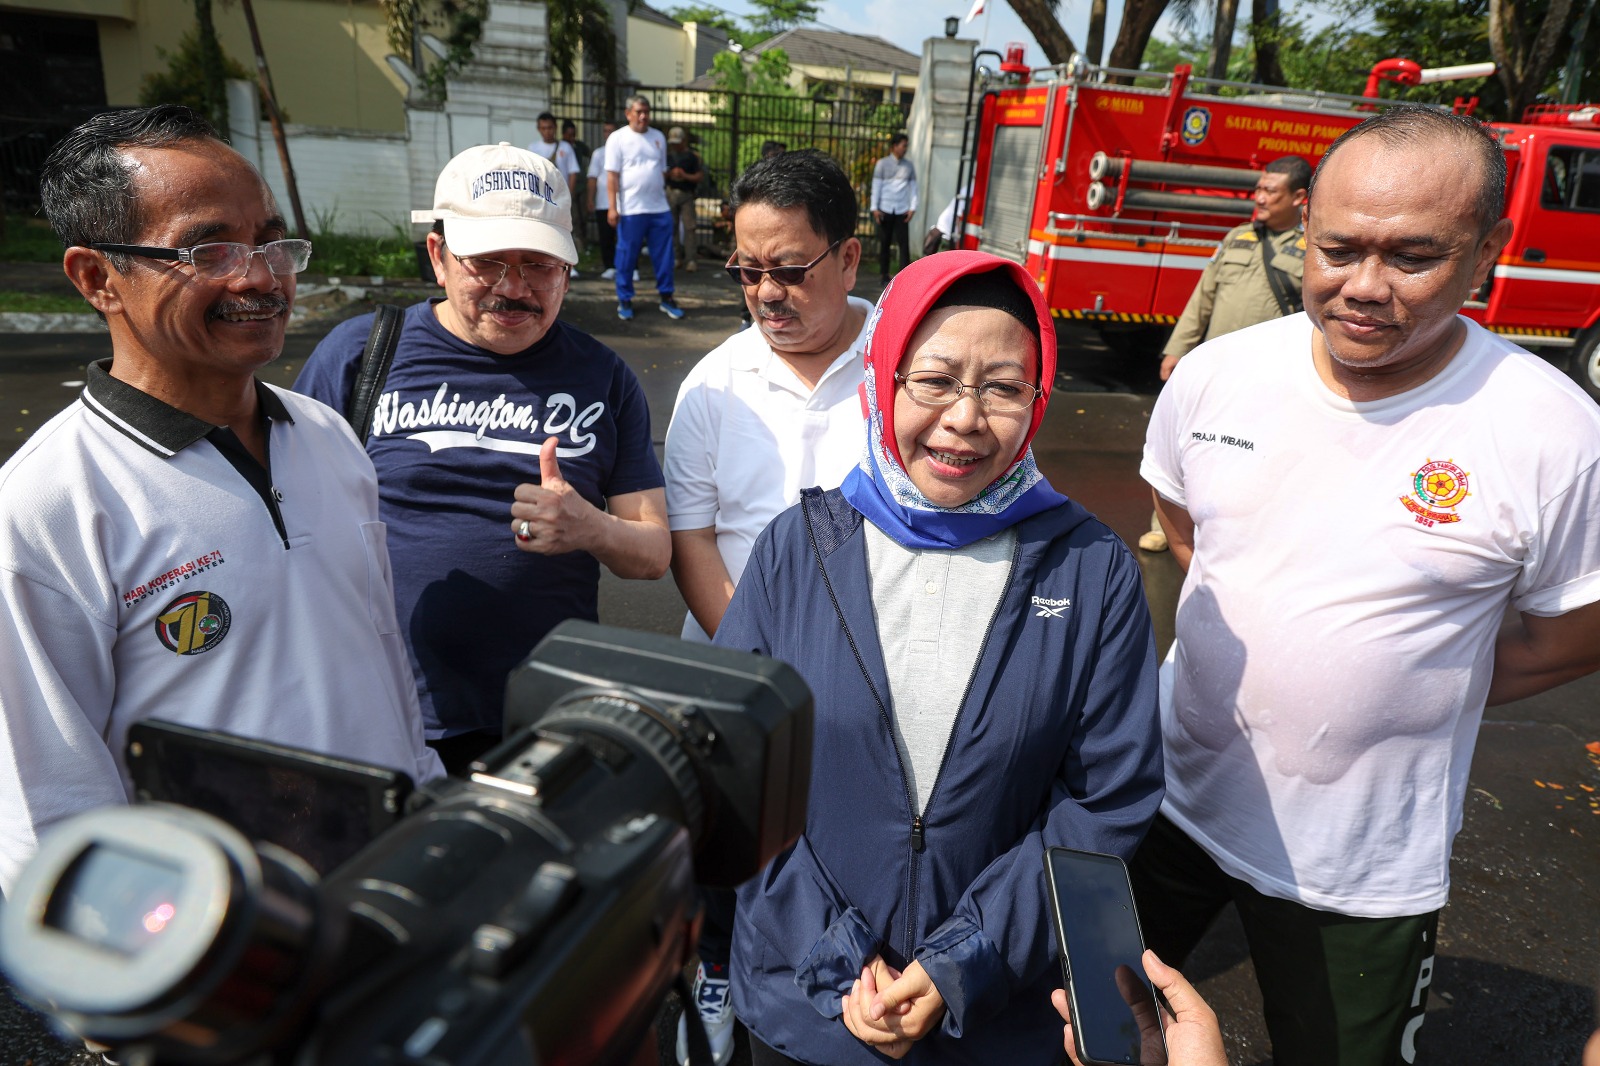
1056 742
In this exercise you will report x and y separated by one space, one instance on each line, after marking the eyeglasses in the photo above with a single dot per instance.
490 272
216 262
787 276
942 390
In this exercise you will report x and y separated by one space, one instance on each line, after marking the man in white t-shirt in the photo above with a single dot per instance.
600 197
1358 493
636 174
561 154
556 150
769 412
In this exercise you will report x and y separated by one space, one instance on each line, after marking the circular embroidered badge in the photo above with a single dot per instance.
194 623
1440 483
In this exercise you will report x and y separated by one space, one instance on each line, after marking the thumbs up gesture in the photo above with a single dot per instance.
551 518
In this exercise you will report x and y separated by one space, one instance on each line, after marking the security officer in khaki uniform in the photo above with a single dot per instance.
1255 276
1236 289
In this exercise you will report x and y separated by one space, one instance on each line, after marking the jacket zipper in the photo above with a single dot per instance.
883 712
933 793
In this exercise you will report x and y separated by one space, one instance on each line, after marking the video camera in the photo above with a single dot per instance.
536 913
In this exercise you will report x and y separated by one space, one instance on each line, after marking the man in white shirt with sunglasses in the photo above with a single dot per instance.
769 412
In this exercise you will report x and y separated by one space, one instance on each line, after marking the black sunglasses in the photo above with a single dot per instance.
787 276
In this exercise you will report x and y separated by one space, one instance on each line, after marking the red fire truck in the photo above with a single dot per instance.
1115 196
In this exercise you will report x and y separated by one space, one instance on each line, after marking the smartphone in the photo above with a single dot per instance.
1115 1017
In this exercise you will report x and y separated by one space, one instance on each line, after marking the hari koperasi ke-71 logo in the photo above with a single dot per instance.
194 623
1437 489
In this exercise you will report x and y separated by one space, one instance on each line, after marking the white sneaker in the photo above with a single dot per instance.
609 273
716 1013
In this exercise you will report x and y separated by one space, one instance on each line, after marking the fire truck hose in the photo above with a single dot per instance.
1103 167
1101 195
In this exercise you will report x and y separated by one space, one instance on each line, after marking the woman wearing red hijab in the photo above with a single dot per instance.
984 676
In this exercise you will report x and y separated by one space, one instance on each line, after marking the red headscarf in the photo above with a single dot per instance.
906 302
880 488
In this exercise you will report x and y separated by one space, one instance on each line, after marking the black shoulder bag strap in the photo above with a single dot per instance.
1288 302
376 358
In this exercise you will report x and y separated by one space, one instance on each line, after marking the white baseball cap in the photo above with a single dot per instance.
497 197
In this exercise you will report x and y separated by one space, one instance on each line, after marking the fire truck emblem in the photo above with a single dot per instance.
1196 124
1437 489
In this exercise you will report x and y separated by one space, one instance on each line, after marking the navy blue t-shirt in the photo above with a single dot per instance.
457 428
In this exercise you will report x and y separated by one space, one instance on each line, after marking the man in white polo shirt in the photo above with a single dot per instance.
185 542
769 412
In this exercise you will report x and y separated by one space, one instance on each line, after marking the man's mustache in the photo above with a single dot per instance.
496 304
265 303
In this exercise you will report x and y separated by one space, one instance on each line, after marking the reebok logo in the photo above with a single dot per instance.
1050 608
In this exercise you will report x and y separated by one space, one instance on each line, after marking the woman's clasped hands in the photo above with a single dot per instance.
890 1010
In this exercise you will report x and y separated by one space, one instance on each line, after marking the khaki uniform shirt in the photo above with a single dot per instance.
1234 291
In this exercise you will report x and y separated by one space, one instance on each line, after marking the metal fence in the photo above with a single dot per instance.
729 130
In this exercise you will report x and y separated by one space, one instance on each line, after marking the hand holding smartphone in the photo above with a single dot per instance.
1115 1020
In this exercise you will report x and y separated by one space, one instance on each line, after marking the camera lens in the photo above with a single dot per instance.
660 734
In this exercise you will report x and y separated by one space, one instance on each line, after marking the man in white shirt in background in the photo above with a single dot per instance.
636 173
562 154
600 198
769 412
894 201
1358 493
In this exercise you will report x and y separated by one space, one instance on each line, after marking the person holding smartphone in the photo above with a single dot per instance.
983 671
1193 1035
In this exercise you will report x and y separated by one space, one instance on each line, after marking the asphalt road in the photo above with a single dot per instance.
1518 946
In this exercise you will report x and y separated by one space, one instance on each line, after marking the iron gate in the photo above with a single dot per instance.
729 129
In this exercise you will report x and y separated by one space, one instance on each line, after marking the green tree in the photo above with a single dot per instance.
1338 57
765 72
1524 36
197 72
775 16
1433 33
713 16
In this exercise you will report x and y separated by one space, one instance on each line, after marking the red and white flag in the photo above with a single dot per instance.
977 9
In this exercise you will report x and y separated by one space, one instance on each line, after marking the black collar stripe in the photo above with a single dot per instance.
155 424
125 428
273 404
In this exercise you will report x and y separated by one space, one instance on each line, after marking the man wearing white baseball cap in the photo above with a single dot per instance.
513 451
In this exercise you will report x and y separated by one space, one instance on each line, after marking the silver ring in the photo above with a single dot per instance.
523 533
